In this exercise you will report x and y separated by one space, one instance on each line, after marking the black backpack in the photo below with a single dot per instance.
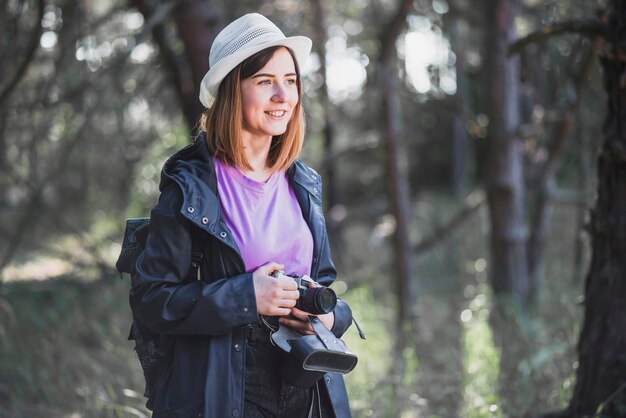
149 344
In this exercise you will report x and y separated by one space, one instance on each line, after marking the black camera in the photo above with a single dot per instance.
316 300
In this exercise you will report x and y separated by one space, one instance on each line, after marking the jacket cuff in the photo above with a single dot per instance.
343 318
241 308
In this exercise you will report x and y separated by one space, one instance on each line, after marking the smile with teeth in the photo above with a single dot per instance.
277 113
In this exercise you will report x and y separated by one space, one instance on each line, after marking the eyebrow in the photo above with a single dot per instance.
272 75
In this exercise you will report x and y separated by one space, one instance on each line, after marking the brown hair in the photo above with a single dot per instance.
222 122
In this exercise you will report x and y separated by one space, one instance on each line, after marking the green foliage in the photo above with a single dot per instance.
481 366
369 385
64 350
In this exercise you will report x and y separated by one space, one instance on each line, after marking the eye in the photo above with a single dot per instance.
266 82
292 81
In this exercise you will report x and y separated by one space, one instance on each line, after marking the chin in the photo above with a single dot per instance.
276 132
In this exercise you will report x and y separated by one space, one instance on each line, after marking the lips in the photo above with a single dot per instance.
277 113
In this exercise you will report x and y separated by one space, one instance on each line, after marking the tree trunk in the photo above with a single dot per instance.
460 139
319 26
197 22
585 171
397 167
398 193
504 176
601 375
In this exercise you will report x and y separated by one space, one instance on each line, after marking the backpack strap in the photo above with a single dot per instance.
198 240
135 236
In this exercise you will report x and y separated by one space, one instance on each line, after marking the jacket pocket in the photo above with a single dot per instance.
194 410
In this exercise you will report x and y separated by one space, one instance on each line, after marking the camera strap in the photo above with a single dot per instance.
328 338
285 336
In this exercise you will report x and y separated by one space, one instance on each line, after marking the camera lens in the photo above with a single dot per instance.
318 300
326 300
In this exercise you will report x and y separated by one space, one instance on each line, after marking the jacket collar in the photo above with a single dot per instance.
306 177
193 170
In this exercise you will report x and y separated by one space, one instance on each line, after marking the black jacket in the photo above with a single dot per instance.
204 321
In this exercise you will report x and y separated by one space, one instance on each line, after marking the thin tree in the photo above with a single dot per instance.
460 139
396 166
504 174
320 12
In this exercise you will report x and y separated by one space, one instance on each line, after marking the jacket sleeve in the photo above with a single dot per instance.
161 298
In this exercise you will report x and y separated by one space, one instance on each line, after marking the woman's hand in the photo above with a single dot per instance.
274 296
299 321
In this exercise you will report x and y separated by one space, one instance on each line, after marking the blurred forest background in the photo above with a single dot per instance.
463 145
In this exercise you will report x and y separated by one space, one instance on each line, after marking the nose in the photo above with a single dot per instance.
280 93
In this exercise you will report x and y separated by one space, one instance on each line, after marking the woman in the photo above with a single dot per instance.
257 209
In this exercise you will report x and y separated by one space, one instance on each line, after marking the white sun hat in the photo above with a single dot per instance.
241 39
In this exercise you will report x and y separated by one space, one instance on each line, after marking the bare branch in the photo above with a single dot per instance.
473 202
590 28
28 217
30 54
558 146
546 178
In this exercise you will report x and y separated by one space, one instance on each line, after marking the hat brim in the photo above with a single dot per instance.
300 45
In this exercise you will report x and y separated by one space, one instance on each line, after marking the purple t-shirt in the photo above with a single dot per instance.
265 219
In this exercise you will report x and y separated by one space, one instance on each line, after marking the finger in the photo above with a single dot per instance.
271 267
287 283
282 297
291 294
279 311
303 327
287 303
300 314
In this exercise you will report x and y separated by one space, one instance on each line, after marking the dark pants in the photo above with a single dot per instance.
267 395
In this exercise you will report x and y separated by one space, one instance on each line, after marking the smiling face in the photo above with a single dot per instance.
269 97
249 105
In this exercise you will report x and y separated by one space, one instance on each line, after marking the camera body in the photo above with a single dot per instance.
309 356
314 299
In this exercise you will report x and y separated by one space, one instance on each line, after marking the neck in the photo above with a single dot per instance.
257 150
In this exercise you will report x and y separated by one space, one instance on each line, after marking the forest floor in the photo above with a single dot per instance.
64 350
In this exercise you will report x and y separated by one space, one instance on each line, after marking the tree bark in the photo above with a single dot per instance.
601 375
398 193
329 169
460 139
396 167
504 176
585 173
